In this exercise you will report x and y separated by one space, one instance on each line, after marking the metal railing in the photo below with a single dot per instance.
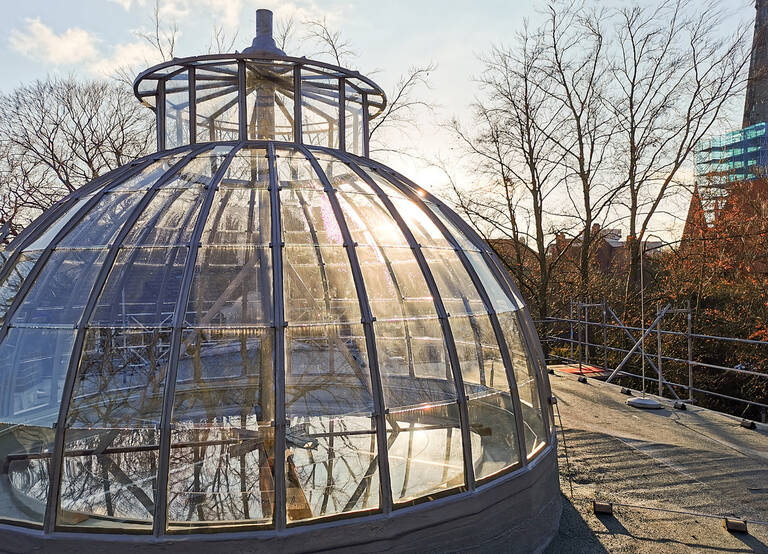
583 340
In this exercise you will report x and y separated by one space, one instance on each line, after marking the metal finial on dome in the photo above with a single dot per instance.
264 42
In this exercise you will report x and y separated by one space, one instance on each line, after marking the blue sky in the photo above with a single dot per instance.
95 37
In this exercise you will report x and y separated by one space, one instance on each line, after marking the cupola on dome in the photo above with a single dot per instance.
260 332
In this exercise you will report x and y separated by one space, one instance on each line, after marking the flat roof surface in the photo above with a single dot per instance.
696 461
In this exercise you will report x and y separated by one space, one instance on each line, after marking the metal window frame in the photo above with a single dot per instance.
51 509
507 285
41 224
359 166
278 351
160 519
442 314
414 197
344 77
370 342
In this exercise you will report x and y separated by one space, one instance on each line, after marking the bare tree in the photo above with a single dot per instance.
57 135
675 73
404 98
161 38
576 62
511 150
284 33
329 42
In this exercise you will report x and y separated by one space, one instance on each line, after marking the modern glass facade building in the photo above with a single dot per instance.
736 156
261 334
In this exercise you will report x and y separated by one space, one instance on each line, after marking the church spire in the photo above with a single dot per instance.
756 104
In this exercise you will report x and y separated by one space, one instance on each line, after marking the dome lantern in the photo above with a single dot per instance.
260 332
251 96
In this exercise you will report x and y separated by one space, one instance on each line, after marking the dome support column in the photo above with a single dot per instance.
278 320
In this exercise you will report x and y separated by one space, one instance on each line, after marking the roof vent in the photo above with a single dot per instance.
264 43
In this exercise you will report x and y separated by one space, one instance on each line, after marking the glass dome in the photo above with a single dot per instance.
257 334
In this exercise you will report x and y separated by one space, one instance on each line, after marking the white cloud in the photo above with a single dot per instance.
128 4
128 56
40 42
220 12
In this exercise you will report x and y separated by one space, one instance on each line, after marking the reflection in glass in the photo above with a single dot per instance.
222 443
425 453
527 382
216 100
33 365
490 406
109 478
231 286
10 285
121 378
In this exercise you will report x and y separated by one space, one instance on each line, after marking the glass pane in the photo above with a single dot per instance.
168 220
500 301
33 366
454 284
225 377
44 240
142 287
177 110
102 223
308 218
340 175
295 172
61 289
415 371
460 237
9 287
231 286
269 101
121 379
27 453
527 383
331 467
109 479
319 109
238 216
221 475
425 453
222 446
385 185
217 103
331 464
353 121
318 285
426 233
326 371
490 406
249 169
395 284
369 221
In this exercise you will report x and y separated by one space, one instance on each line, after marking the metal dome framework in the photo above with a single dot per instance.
169 328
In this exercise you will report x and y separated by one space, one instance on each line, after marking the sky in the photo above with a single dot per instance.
93 38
